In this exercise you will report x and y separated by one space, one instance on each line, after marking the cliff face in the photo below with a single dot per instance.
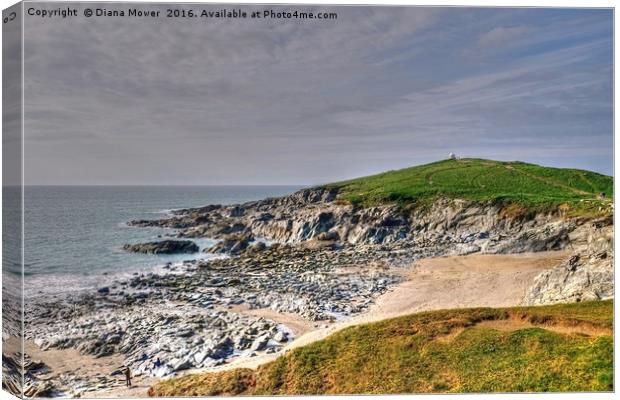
318 218
318 215
586 275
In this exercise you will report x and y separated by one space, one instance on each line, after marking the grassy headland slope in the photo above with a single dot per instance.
565 347
479 180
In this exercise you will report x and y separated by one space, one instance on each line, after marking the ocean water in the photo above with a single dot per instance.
74 234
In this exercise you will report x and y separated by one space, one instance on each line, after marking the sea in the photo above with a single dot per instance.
74 234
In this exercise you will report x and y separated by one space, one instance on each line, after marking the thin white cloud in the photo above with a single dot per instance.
502 35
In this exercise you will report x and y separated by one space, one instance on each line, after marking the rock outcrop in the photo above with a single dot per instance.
318 214
232 244
163 247
318 219
587 274
34 385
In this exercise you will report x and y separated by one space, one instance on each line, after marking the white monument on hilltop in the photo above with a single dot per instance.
452 156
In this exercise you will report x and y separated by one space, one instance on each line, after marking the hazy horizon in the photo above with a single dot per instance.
132 102
301 185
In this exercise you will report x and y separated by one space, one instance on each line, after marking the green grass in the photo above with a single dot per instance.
439 351
528 185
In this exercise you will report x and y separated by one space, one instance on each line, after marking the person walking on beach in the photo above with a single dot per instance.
128 376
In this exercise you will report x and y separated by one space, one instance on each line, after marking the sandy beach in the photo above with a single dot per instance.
473 281
452 282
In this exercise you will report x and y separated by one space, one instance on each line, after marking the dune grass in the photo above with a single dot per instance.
433 352
482 180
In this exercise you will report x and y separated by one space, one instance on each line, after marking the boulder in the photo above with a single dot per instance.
257 248
280 337
236 211
233 244
114 339
242 342
162 371
200 357
103 290
221 349
259 343
96 348
182 364
331 235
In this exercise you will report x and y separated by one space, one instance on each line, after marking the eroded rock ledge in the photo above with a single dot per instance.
318 214
163 247
586 275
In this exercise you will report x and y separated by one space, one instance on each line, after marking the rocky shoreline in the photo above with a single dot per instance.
324 260
184 319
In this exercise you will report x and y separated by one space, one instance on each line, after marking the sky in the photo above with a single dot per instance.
184 102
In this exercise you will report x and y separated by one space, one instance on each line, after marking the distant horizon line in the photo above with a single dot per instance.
303 185
161 185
